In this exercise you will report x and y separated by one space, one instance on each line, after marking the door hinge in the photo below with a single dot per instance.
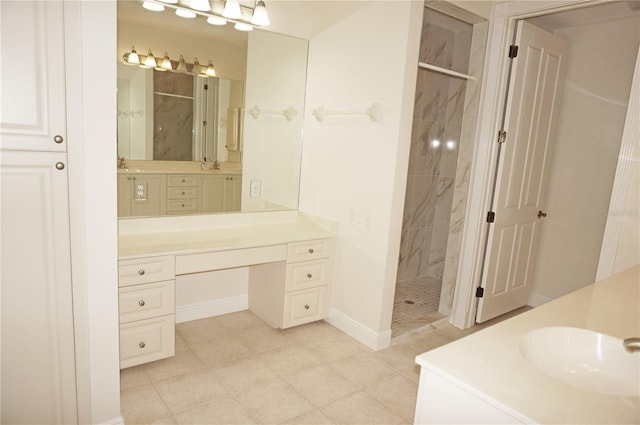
513 51
502 136
491 217
479 292
206 86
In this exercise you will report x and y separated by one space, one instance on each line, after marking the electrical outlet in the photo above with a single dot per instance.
359 218
255 188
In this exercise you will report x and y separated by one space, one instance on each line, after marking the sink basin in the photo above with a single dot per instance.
585 359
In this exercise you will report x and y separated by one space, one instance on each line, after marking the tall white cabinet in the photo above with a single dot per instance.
38 374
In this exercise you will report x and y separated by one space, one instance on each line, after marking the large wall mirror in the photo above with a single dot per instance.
203 144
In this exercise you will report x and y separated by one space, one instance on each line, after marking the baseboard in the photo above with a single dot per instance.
374 340
206 309
536 300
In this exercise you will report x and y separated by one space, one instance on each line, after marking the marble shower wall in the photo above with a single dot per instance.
173 95
441 152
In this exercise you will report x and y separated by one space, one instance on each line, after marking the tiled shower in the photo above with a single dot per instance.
440 158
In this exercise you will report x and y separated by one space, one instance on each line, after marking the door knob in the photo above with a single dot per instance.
541 214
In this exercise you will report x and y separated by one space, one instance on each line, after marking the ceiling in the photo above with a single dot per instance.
588 15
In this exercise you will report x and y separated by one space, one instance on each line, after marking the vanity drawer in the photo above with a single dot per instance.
182 192
305 306
182 180
308 274
209 261
145 270
146 301
147 340
309 250
182 205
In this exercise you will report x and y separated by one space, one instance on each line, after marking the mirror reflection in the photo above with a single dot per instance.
191 143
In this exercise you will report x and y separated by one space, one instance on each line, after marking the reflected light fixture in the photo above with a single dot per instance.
182 65
201 5
241 26
215 20
132 57
196 66
150 61
154 7
232 9
169 1
260 16
184 13
451 145
211 71
435 143
166 62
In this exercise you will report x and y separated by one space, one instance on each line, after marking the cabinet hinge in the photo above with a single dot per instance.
206 86
502 136
513 51
491 217
479 292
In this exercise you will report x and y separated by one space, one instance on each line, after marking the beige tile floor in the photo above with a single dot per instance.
235 369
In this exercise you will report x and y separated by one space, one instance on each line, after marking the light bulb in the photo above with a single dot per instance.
154 7
182 65
215 20
132 57
232 9
150 61
243 27
184 13
196 66
166 62
260 16
169 1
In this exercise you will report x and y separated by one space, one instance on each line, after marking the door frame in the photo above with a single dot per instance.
492 100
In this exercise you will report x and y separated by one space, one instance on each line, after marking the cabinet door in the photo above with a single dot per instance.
212 194
38 366
232 191
125 195
32 76
149 195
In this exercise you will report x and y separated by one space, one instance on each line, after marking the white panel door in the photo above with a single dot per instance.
521 179
36 310
32 76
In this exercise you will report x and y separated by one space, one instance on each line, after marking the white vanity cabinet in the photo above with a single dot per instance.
182 193
146 300
303 295
142 195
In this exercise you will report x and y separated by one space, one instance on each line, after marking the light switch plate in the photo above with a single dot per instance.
255 188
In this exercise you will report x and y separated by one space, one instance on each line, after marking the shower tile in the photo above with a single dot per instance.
415 251
455 100
173 128
461 51
408 203
439 45
450 148
434 266
435 92
421 199
173 83
444 201
402 260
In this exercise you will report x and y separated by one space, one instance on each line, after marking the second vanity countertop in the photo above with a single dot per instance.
220 234
488 364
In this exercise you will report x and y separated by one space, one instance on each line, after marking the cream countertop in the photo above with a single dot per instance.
177 167
219 234
488 364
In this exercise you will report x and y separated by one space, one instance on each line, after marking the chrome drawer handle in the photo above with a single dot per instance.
141 272
141 344
141 303
309 275
58 138
310 250
306 306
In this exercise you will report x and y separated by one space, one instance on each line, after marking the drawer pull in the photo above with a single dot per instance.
141 272
183 180
309 275
141 303
306 306
141 344
310 250
184 193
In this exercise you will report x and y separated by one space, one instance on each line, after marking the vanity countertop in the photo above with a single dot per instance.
219 237
489 365
177 171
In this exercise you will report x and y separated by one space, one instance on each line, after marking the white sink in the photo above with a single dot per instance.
583 359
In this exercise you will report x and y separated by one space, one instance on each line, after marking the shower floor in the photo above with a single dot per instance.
415 304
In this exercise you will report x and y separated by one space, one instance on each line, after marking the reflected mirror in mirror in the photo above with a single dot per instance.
195 144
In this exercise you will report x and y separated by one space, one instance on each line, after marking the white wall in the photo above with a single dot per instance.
585 154
276 70
354 170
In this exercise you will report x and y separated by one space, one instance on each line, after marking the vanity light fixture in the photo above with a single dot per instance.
215 20
196 67
241 26
169 1
232 9
260 16
184 13
150 61
132 57
154 7
166 62
182 65
211 71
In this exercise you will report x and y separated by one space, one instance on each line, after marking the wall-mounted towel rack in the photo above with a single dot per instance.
374 112
288 113
446 71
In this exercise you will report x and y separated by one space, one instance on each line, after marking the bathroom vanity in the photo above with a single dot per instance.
486 377
289 257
